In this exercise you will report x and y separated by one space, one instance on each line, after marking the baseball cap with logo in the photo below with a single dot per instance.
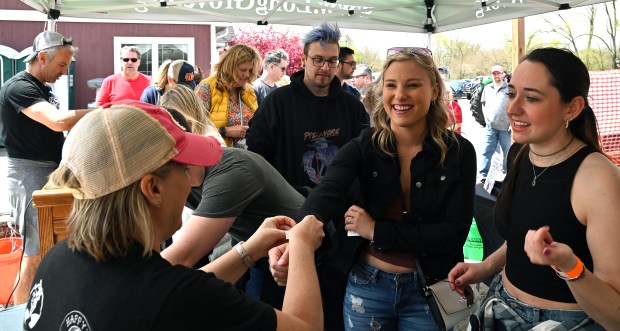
362 70
182 72
115 145
497 68
45 40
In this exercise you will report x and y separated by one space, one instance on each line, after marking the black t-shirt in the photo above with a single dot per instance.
25 138
135 293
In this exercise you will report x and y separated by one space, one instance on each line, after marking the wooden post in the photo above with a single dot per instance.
518 41
54 206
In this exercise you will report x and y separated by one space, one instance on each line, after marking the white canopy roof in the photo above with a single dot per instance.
419 16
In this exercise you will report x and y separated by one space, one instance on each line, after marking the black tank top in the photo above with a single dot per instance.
547 203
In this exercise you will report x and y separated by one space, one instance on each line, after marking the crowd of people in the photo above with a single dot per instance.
335 195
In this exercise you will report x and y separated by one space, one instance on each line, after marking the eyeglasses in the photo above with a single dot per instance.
319 62
352 63
412 50
133 59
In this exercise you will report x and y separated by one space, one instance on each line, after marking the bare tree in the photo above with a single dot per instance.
612 29
564 30
591 14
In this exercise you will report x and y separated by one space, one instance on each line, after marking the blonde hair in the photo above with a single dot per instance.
182 99
162 76
109 226
436 118
225 70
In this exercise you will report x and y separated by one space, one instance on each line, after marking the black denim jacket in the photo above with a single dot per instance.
442 201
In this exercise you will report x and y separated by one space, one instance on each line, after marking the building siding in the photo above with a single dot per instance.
95 41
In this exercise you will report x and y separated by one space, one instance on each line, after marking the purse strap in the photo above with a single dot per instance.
421 274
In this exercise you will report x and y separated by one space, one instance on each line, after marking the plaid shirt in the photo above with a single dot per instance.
495 314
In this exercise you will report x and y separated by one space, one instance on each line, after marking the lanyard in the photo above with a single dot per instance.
240 108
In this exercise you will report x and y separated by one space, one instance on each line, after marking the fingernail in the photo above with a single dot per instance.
281 262
546 252
457 282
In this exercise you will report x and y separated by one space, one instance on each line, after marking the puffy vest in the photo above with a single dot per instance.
219 103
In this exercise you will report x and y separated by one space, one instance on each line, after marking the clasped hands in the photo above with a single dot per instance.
355 219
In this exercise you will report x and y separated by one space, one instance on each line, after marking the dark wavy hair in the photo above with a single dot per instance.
570 76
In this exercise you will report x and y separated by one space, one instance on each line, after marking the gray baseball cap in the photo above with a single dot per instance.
362 70
45 40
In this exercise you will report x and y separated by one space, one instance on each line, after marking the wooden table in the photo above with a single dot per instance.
54 207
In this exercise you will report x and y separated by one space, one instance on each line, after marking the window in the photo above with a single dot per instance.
154 51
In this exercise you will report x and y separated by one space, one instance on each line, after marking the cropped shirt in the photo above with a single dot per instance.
532 207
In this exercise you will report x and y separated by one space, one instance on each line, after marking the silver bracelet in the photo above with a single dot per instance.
244 254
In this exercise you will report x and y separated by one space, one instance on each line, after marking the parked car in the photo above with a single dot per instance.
457 88
469 87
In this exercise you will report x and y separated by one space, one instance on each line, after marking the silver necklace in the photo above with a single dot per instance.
552 163
542 172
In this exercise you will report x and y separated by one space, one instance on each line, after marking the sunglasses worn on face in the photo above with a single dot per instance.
412 50
133 59
352 63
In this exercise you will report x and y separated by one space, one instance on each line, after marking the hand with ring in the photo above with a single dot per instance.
358 220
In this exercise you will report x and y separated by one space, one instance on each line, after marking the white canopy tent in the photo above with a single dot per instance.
418 16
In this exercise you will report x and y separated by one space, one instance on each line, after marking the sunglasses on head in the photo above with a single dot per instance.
133 59
412 50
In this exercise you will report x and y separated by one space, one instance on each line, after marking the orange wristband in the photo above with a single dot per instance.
573 274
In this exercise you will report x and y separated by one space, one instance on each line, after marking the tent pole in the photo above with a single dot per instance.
51 25
52 16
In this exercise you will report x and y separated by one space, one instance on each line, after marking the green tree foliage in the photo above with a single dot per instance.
268 39
371 58
468 60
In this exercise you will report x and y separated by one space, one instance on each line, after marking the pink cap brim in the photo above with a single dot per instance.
203 151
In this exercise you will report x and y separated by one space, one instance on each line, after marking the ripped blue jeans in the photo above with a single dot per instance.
378 300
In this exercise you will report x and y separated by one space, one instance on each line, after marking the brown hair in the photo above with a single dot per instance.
225 70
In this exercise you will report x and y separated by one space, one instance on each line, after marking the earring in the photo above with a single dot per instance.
567 121
158 203
432 103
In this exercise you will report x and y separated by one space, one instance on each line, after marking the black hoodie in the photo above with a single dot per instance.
300 133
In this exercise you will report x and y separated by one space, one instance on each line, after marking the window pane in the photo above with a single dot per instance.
145 57
172 52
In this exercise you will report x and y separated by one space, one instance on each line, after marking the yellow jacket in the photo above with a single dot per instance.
219 103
